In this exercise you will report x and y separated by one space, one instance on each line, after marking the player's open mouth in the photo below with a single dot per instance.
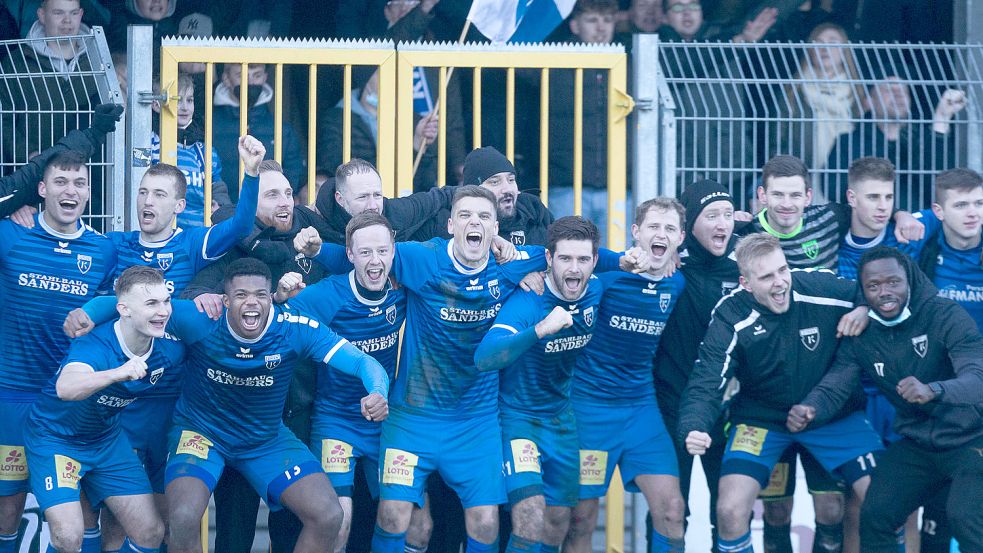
283 216
250 320
473 239
374 274
780 297
572 284
888 306
158 324
68 204
507 200
718 240
659 248
147 216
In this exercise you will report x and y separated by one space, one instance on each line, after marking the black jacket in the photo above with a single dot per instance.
778 359
938 343
708 279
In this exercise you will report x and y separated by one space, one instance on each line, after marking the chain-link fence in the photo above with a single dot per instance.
48 87
731 107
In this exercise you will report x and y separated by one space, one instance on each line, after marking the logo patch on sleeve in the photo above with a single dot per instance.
399 467
335 456
193 443
526 455
749 439
69 472
593 467
13 463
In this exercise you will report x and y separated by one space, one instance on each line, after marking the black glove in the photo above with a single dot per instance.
105 117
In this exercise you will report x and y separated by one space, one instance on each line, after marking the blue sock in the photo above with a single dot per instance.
385 542
478 547
900 534
7 542
130 547
521 545
410 548
662 544
740 545
546 548
92 540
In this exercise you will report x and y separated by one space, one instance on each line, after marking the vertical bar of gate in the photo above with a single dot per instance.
116 148
617 149
442 128
476 109
243 111
386 140
404 114
278 114
544 136
645 167
141 112
346 117
510 114
312 132
209 78
578 139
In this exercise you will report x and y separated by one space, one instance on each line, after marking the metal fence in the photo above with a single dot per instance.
724 109
48 87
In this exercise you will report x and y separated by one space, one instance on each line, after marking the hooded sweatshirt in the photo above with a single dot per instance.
939 342
47 56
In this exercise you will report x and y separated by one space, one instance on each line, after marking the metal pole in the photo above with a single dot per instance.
139 65
645 150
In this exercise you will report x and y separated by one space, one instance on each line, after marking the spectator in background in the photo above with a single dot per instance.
191 157
364 133
918 149
685 23
197 25
157 13
225 122
321 176
644 16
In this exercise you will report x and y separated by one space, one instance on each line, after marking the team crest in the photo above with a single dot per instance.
272 361
304 263
391 314
811 249
493 288
920 343
810 337
727 288
164 260
155 375
589 316
664 300
518 237
84 263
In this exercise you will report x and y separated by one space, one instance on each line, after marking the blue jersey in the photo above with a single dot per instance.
959 277
191 162
853 248
97 416
538 381
617 365
449 308
372 325
44 274
235 389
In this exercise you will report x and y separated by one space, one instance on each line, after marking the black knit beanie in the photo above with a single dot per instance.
699 195
483 163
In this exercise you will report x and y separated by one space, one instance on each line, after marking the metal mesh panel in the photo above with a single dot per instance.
48 87
736 106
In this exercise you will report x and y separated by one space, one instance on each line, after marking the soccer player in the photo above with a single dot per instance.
924 353
237 375
363 307
454 291
536 340
777 335
73 435
45 272
618 421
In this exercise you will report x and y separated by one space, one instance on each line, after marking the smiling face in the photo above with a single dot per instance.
473 225
659 234
885 286
872 202
146 308
157 203
714 226
505 189
248 301
371 252
276 201
786 199
769 280
571 266
361 192
65 193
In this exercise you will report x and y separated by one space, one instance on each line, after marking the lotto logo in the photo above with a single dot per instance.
14 466
525 453
68 472
192 443
335 456
749 439
593 467
399 467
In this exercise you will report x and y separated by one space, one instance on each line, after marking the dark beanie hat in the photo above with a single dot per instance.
699 195
483 163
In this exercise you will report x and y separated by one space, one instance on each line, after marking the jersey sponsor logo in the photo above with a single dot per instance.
920 343
114 402
567 343
164 260
811 249
593 467
84 263
378 343
589 316
493 288
244 353
526 455
473 285
967 294
68 472
810 337
63 248
391 314
777 482
879 369
399 467
272 361
14 465
759 329
193 443
641 326
664 300
53 283
304 263
155 375
335 456
221 377
458 315
518 237
749 439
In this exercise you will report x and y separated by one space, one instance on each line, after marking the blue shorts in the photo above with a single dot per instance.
631 437
61 469
14 472
881 415
541 457
467 452
270 468
845 447
342 444
785 474
147 422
